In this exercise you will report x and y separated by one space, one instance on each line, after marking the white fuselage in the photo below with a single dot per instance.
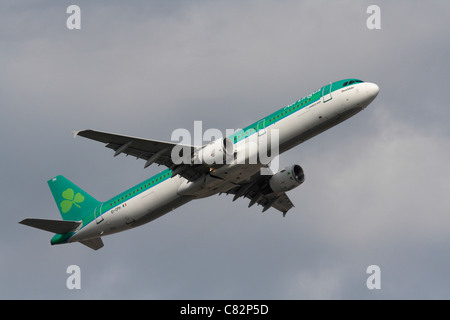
176 191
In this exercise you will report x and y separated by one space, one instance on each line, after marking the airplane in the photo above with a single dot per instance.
203 171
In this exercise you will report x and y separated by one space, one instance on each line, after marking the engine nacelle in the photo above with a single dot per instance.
219 151
287 179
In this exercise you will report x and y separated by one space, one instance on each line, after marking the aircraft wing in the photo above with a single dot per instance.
152 151
258 191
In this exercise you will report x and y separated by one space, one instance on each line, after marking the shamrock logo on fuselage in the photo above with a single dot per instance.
71 199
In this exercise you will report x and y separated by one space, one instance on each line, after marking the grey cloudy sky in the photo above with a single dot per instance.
376 189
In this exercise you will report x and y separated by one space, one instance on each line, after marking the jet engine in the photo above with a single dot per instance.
287 179
216 152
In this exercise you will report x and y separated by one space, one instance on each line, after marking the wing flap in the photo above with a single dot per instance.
282 203
257 192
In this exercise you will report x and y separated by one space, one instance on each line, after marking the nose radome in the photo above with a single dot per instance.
372 90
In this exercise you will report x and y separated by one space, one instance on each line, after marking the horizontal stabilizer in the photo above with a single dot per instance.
56 226
95 243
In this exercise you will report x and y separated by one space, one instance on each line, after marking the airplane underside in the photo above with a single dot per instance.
235 165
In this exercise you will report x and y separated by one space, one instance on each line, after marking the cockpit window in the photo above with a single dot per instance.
347 83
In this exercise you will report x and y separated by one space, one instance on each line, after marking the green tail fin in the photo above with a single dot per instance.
73 202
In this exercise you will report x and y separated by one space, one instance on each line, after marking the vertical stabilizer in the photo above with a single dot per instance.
72 201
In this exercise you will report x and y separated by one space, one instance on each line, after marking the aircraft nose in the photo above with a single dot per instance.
372 90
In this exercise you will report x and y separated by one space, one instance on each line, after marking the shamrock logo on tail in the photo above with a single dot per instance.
71 199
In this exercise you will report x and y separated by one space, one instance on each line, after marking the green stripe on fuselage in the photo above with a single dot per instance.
136 190
286 111
129 194
239 135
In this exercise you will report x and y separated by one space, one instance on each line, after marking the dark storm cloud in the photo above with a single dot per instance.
376 185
